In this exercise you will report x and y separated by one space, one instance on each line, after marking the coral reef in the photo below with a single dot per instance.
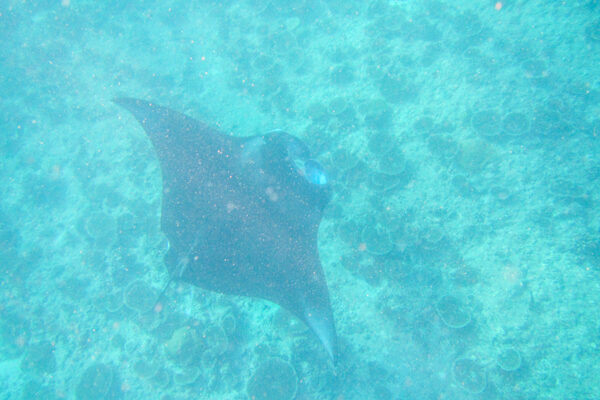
452 312
509 360
376 239
486 123
184 346
187 376
139 296
99 382
469 375
275 379
39 358
515 124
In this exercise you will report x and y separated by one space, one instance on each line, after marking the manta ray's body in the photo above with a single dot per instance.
241 214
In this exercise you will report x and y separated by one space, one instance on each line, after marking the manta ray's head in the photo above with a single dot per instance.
289 160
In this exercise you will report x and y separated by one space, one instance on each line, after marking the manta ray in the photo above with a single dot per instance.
242 214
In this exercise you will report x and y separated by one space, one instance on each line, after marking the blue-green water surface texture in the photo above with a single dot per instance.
461 244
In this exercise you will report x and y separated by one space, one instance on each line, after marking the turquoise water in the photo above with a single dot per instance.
461 245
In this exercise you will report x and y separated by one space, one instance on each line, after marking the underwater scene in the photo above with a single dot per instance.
299 199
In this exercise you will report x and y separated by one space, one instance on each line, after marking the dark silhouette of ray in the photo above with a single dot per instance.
241 213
